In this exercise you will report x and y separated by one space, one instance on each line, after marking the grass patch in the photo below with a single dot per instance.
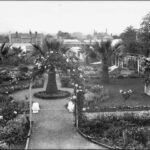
138 98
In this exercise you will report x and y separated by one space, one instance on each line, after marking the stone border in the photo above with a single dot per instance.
28 140
37 95
96 142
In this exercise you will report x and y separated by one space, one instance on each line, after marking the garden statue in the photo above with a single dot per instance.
35 107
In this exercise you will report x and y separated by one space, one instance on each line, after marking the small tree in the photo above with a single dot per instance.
50 58
104 49
129 37
144 34
10 56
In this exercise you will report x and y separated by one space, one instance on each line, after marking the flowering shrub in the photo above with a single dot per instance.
147 71
126 94
126 132
15 131
9 112
97 89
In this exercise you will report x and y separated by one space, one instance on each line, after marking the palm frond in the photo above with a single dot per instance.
2 47
37 47
53 44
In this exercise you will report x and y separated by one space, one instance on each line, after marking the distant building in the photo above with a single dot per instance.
72 42
98 37
103 36
75 51
33 38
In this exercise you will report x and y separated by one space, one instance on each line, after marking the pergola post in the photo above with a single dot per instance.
30 99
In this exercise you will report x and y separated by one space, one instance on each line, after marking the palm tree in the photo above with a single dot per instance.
8 55
50 58
4 52
90 56
104 50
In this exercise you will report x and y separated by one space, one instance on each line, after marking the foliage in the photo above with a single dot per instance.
59 94
96 89
50 57
79 105
4 38
10 56
144 34
64 35
129 37
98 95
5 99
65 81
11 108
126 94
105 51
115 129
147 72
8 111
14 132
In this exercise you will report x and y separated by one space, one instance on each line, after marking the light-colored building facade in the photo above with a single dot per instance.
33 38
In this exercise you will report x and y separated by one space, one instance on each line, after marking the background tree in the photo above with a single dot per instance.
10 56
90 55
144 34
4 38
4 49
64 35
104 52
129 37
104 49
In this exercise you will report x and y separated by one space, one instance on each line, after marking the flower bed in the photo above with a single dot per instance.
14 124
59 94
116 109
8 89
128 132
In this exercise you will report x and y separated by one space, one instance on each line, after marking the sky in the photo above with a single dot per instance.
71 16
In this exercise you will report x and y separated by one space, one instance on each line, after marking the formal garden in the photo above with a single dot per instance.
114 112
14 113
110 108
19 71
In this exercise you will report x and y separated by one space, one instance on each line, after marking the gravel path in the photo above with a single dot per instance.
53 125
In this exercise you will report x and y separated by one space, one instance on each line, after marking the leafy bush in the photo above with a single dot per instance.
15 132
112 128
5 99
65 81
23 68
39 82
8 112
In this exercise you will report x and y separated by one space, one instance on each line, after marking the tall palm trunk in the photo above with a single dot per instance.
51 85
105 75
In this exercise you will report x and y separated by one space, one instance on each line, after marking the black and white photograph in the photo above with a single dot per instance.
74 75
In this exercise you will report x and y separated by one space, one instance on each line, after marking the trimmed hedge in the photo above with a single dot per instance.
59 94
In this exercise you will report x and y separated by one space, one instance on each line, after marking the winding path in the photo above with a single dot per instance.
53 125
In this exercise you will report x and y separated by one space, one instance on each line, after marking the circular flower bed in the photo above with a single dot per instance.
59 94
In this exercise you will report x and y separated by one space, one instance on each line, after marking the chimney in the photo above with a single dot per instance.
10 37
16 34
36 33
30 32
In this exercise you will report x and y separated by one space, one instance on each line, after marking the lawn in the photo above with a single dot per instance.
137 98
